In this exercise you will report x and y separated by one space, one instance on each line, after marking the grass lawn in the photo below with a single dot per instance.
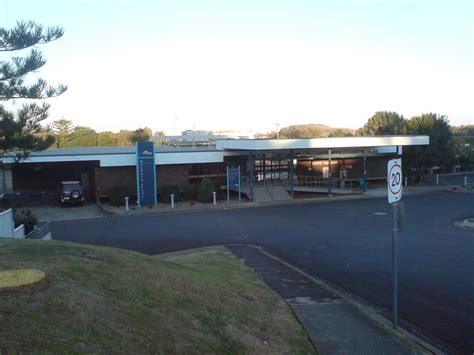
97 299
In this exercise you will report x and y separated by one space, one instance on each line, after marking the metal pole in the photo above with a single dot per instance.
437 179
252 163
465 181
228 194
240 190
395 264
172 200
406 181
126 204
214 197
292 172
329 173
364 188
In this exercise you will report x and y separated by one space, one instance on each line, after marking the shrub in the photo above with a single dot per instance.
190 192
117 195
167 190
26 218
204 193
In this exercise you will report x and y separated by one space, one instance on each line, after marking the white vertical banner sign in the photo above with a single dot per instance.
394 180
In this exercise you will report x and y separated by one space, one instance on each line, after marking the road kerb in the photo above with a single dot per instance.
410 339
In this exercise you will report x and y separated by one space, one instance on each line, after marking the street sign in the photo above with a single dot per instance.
233 176
394 188
394 180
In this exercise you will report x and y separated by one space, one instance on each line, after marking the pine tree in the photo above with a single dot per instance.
17 129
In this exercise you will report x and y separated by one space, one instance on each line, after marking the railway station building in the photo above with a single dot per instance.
270 168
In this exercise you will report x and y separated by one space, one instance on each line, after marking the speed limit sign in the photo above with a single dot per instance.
394 180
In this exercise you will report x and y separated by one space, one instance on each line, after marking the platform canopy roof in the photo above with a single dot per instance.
320 143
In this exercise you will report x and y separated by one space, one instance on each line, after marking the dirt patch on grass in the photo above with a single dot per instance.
98 299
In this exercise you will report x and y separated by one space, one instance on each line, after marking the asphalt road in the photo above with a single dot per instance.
346 242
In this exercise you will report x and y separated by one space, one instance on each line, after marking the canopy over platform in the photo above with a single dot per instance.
320 143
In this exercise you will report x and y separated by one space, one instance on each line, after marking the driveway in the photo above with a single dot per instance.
55 213
346 242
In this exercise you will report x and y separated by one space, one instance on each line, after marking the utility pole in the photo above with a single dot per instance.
277 131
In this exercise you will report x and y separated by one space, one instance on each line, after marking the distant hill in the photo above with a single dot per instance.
314 130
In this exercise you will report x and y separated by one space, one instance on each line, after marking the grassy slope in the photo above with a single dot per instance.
110 300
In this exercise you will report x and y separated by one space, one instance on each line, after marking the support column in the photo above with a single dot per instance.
6 178
364 187
292 175
329 173
251 171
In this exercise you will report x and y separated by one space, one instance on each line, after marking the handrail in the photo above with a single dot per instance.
311 181
40 232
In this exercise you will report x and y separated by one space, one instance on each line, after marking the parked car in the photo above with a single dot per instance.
71 192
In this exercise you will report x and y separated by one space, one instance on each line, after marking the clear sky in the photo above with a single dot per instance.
224 64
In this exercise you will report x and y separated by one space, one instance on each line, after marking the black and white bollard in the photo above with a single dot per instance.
126 204
214 197
172 200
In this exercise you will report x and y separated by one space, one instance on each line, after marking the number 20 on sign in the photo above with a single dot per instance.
394 180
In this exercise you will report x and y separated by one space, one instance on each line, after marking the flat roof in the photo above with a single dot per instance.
115 150
320 143
164 155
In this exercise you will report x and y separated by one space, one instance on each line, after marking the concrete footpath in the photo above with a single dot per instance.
334 323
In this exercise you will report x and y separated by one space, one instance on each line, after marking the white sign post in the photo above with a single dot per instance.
394 188
394 180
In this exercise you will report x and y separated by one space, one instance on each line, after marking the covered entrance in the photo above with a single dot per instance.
277 169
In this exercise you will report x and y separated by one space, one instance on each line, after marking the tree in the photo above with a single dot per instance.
123 137
83 137
340 133
160 133
463 131
140 135
441 150
464 142
14 71
17 129
300 131
62 129
106 139
205 189
383 123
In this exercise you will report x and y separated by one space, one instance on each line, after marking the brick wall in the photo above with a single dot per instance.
125 176
172 175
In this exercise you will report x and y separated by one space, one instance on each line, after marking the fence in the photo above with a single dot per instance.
19 232
7 226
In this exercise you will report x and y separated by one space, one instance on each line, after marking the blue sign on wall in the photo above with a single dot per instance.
146 179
